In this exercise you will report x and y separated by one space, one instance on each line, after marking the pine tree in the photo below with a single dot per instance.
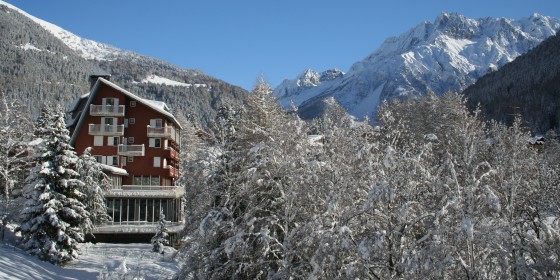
54 216
96 182
162 234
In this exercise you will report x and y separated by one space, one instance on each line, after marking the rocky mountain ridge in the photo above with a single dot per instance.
448 54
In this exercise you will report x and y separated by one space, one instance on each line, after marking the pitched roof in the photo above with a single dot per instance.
157 106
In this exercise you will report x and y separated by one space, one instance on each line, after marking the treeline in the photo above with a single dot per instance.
528 86
434 192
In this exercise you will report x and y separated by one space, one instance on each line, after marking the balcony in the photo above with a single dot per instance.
173 154
136 191
106 129
106 110
162 132
148 188
132 150
173 172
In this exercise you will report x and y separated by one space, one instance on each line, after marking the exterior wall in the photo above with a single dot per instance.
84 139
143 166
138 165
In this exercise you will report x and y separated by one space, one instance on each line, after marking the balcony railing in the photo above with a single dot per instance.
106 110
148 188
106 129
173 172
163 132
172 153
132 150
137 191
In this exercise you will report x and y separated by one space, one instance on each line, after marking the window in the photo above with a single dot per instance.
157 161
113 160
131 140
98 140
130 159
131 121
109 160
123 160
145 180
99 159
125 123
109 121
156 123
137 180
112 141
133 103
154 181
155 142
111 101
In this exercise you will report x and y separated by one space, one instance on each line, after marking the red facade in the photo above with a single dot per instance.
126 131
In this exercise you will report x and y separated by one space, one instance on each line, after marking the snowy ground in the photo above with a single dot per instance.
140 261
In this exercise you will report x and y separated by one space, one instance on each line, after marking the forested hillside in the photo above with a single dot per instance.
37 67
528 86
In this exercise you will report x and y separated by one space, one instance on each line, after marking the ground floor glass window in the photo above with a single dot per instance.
143 210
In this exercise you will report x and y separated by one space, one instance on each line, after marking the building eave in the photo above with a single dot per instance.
142 101
93 93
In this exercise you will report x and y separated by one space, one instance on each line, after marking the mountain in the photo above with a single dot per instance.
42 62
528 86
448 54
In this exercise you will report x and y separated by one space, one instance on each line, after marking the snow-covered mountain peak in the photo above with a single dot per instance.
289 90
308 78
447 54
331 74
88 49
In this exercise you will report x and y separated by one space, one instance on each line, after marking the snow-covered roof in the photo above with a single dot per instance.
146 228
177 192
75 104
157 106
113 170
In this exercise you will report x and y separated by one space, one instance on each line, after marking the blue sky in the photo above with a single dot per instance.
237 41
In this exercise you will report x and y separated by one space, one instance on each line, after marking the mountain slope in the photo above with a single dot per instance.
528 86
45 63
448 54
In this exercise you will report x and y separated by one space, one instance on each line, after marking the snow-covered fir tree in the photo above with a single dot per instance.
161 238
96 182
54 217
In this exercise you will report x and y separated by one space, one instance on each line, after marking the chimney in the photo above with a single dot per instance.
94 77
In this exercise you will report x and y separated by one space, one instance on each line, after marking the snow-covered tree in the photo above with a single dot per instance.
14 160
161 237
54 217
245 232
96 182
434 192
